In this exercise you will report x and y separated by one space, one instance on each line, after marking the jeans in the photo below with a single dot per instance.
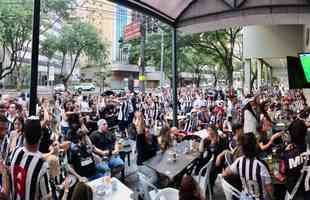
114 161
97 175
64 130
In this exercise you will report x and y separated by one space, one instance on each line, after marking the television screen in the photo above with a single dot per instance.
305 63
296 74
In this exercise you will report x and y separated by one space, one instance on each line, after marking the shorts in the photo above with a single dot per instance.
123 125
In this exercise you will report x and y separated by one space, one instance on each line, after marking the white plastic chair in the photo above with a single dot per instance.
228 158
229 190
149 190
204 181
167 194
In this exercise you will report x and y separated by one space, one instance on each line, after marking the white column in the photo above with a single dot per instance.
247 76
266 71
259 72
270 75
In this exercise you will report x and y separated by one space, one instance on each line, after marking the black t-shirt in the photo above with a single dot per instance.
293 162
80 156
103 141
217 148
73 136
46 140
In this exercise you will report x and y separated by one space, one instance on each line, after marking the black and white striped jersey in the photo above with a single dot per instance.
254 176
29 175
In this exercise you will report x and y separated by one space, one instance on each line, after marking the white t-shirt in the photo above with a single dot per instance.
250 122
84 107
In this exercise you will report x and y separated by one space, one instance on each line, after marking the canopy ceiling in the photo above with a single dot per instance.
203 15
166 10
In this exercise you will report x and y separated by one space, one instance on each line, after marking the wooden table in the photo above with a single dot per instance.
163 163
119 192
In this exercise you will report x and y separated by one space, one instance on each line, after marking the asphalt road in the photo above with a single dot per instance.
42 91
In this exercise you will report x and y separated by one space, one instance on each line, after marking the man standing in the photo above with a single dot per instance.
29 171
4 127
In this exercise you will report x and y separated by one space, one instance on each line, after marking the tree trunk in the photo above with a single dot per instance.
198 80
215 80
19 79
48 71
63 63
77 56
229 76
65 82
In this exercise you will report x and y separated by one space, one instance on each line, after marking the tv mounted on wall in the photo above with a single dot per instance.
296 73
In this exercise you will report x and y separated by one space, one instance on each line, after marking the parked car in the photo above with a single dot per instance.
85 87
59 88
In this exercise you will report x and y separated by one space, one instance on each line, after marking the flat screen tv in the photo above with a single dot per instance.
296 74
305 63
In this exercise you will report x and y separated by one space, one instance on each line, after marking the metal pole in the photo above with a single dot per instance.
162 60
174 76
142 46
34 57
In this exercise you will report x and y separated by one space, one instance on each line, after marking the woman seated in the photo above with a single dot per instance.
82 161
165 138
146 143
254 175
214 145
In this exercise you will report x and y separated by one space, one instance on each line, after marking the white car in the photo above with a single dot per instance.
59 88
85 87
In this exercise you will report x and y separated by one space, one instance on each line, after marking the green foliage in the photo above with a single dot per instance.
218 50
221 45
77 38
49 45
16 28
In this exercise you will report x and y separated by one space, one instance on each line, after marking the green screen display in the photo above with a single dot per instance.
305 62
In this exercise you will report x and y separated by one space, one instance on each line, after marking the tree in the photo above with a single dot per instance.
15 33
153 49
78 38
16 30
221 45
49 48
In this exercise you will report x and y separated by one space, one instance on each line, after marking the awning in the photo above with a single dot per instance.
202 15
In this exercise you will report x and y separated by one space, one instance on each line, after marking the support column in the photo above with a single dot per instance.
174 76
266 71
142 55
247 76
34 57
270 75
260 65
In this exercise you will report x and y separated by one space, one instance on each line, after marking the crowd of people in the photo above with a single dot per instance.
74 138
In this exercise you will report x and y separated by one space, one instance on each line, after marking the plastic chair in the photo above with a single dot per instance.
229 190
167 194
204 181
149 190
228 158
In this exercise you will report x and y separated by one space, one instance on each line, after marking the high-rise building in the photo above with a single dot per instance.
121 20
101 15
